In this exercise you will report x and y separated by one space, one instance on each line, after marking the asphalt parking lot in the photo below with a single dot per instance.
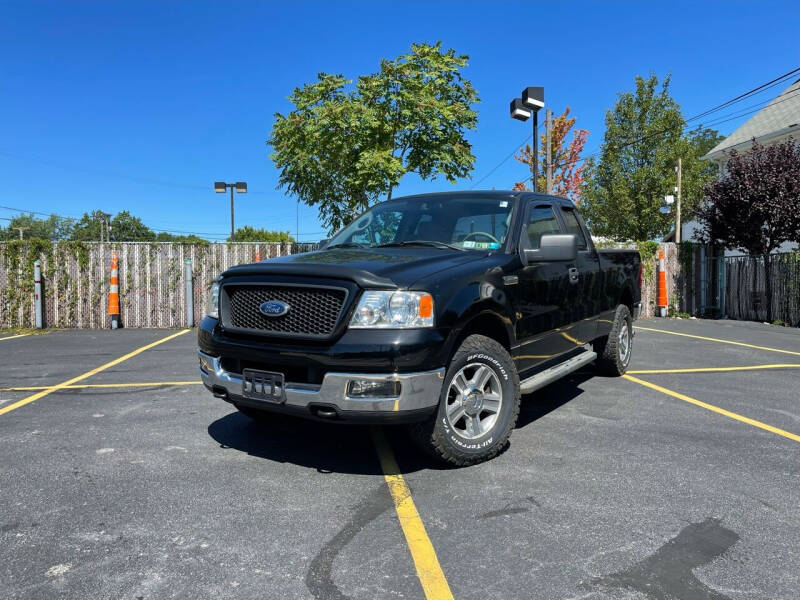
123 478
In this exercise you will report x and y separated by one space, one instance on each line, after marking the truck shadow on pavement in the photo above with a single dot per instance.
338 448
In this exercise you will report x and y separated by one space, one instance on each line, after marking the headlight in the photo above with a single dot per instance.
213 300
393 310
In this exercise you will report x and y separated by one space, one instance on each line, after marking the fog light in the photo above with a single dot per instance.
370 388
206 363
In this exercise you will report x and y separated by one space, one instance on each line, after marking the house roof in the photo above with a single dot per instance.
779 117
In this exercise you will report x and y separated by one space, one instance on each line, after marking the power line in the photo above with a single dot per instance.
500 164
761 88
105 173
755 90
214 234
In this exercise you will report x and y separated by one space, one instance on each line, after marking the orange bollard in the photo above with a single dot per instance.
113 292
662 285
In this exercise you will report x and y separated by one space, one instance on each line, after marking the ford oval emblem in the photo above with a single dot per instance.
274 308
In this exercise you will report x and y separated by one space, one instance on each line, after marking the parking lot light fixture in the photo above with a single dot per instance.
518 110
239 186
533 98
522 108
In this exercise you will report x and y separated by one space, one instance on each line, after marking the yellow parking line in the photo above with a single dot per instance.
95 371
713 369
710 339
82 386
429 571
716 409
11 337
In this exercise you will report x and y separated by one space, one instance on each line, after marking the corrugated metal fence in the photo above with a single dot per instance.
151 277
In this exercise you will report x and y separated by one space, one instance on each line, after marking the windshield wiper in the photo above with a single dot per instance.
431 243
347 245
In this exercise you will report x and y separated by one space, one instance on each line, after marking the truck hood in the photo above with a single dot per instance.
369 267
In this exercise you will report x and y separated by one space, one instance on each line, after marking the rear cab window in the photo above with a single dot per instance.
541 220
573 226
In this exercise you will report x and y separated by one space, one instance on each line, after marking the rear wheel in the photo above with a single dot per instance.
478 405
614 352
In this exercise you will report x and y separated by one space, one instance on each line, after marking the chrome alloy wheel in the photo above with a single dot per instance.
474 399
624 342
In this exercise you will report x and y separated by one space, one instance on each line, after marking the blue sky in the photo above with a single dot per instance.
140 106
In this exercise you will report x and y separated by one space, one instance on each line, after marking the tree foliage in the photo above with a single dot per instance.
567 172
254 234
124 227
51 228
625 188
755 205
345 144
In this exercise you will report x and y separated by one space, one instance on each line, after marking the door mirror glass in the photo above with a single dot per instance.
561 246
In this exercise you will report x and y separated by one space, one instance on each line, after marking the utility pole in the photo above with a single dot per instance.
678 204
21 229
549 137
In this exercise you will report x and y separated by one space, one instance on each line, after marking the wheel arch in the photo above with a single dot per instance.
488 323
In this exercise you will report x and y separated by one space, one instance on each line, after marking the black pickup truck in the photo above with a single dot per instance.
435 310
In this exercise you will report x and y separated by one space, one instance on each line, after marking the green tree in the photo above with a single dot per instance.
253 234
124 228
624 190
51 228
345 144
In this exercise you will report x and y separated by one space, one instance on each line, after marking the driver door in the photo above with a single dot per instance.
544 287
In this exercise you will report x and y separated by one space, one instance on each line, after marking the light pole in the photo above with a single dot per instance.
239 186
104 225
522 108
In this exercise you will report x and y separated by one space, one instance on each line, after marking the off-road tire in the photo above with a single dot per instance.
610 358
438 439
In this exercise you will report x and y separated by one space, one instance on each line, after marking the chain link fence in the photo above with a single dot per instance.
152 280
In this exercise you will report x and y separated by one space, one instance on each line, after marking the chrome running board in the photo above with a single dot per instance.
531 384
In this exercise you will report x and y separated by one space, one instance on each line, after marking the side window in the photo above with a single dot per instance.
571 221
542 220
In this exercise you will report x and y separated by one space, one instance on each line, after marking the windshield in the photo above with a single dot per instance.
446 221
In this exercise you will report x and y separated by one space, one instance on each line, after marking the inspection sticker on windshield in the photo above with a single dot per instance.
480 245
504 204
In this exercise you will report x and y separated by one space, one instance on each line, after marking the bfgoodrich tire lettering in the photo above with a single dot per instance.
478 406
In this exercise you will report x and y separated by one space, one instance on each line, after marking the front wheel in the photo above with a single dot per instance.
478 405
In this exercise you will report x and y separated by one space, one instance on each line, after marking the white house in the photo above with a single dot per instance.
773 124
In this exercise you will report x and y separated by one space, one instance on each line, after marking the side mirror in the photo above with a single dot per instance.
553 246
323 244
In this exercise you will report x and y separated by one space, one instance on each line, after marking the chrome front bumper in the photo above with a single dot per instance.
418 391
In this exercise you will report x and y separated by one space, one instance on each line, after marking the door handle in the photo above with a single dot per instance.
573 275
